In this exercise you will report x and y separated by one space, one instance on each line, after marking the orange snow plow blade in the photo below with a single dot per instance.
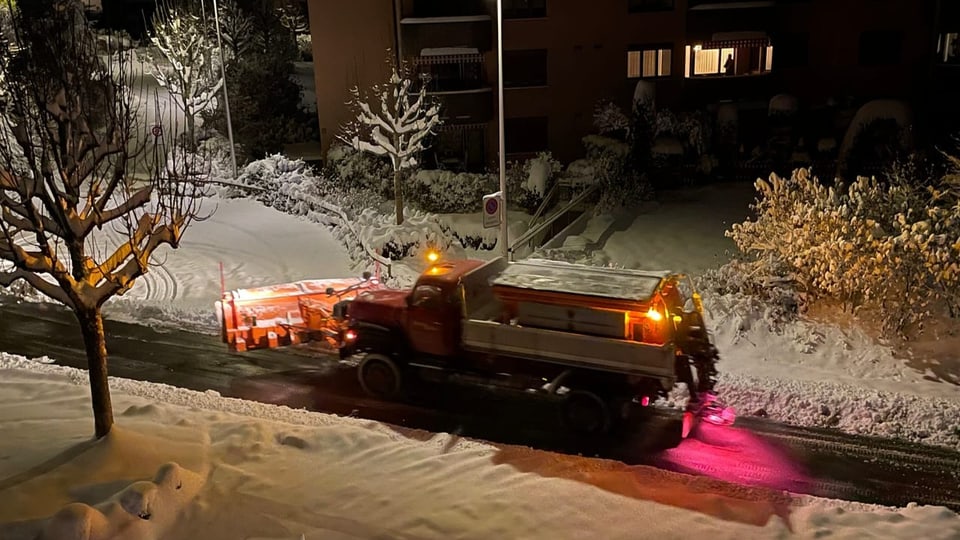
286 314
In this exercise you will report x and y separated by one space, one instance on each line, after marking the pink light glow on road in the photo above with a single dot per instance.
735 455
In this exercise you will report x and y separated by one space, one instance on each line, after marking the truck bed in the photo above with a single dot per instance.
484 332
565 348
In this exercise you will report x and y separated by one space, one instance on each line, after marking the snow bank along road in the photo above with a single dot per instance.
757 452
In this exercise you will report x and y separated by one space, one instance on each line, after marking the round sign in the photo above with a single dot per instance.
492 206
157 131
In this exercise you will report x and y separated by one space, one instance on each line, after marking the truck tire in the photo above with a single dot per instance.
586 413
380 377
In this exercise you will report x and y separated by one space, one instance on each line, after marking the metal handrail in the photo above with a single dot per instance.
545 204
532 232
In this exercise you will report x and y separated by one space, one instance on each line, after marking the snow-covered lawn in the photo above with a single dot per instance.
257 246
250 470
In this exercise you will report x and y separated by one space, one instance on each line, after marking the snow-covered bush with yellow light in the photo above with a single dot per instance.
419 233
891 248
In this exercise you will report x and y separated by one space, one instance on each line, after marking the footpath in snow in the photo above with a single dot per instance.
183 464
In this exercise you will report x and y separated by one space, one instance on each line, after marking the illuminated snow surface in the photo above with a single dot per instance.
257 246
804 373
203 466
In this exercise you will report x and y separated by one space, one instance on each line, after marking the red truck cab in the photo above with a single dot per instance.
427 318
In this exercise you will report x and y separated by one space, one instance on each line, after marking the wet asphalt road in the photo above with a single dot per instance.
755 452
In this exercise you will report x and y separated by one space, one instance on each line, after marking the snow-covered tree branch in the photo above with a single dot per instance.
396 127
236 29
186 61
83 205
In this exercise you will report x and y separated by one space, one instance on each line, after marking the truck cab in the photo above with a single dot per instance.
423 320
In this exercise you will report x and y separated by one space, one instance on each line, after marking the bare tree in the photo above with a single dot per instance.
236 28
397 129
74 223
188 64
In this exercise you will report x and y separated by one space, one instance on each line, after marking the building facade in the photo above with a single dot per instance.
561 58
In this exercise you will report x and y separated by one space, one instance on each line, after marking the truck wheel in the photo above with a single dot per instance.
380 376
586 413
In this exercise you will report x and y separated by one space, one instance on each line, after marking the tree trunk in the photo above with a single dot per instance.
191 141
91 326
398 196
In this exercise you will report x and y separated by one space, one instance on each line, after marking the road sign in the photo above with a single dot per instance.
492 210
157 131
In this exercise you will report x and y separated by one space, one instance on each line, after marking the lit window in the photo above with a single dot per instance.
649 63
948 48
728 61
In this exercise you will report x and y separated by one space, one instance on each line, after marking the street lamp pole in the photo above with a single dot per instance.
226 99
505 247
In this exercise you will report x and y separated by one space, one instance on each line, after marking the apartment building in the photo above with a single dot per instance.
563 56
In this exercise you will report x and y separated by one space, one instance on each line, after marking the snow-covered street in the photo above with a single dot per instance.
248 470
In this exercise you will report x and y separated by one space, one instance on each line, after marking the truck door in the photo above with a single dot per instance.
432 321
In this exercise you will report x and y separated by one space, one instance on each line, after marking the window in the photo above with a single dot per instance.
880 47
524 9
743 59
639 6
524 68
647 63
793 50
948 48
525 135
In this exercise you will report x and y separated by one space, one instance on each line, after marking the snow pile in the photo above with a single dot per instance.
264 471
849 408
144 510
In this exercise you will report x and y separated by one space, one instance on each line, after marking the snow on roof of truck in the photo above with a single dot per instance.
561 277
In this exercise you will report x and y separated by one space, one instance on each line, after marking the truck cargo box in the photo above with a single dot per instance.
554 282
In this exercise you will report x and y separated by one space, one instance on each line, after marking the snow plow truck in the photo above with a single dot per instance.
601 340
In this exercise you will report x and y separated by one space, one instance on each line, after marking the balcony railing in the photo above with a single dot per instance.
451 70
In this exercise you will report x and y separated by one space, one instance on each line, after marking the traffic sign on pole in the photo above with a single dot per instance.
492 210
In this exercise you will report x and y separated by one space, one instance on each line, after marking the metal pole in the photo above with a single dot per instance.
505 247
226 100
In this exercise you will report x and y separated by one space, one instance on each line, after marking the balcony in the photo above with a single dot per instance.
457 77
469 31
713 5
433 9
466 106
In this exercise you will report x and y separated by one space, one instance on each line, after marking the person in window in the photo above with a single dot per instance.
728 65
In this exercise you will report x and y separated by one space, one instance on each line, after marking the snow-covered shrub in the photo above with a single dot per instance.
772 293
449 192
354 169
530 181
610 164
419 233
609 119
893 248
597 145
305 47
690 128
878 144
